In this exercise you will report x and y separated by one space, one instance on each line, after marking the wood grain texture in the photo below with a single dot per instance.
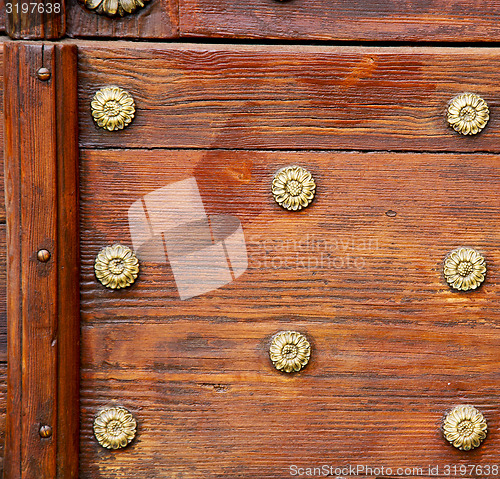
2 196
42 298
36 23
359 272
158 19
420 20
297 97
3 276
2 16
3 404
3 272
68 260
3 294
31 293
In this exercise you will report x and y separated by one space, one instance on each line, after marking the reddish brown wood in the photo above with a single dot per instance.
3 277
3 295
68 291
3 403
359 272
2 199
297 97
2 16
37 20
419 20
42 298
158 19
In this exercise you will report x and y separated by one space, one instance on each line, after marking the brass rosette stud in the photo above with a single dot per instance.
293 188
468 114
465 427
112 108
116 266
464 269
113 8
114 428
289 351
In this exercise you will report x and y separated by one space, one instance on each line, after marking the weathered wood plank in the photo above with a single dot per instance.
2 16
42 297
359 272
2 196
158 19
37 20
31 308
68 260
242 428
289 97
3 294
357 20
3 276
376 259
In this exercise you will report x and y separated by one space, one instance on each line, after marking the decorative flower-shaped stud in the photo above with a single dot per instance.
293 188
116 266
290 351
468 114
112 8
464 269
113 108
465 427
114 428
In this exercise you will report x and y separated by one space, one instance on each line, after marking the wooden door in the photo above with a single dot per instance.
186 182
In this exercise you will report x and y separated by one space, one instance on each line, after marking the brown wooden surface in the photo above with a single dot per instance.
419 20
3 404
2 16
3 295
359 272
32 294
42 299
158 19
68 260
36 23
2 198
297 97
3 278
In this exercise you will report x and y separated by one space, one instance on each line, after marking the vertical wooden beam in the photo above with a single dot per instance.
36 19
68 384
41 165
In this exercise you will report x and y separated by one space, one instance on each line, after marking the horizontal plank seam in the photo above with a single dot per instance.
223 41
299 150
